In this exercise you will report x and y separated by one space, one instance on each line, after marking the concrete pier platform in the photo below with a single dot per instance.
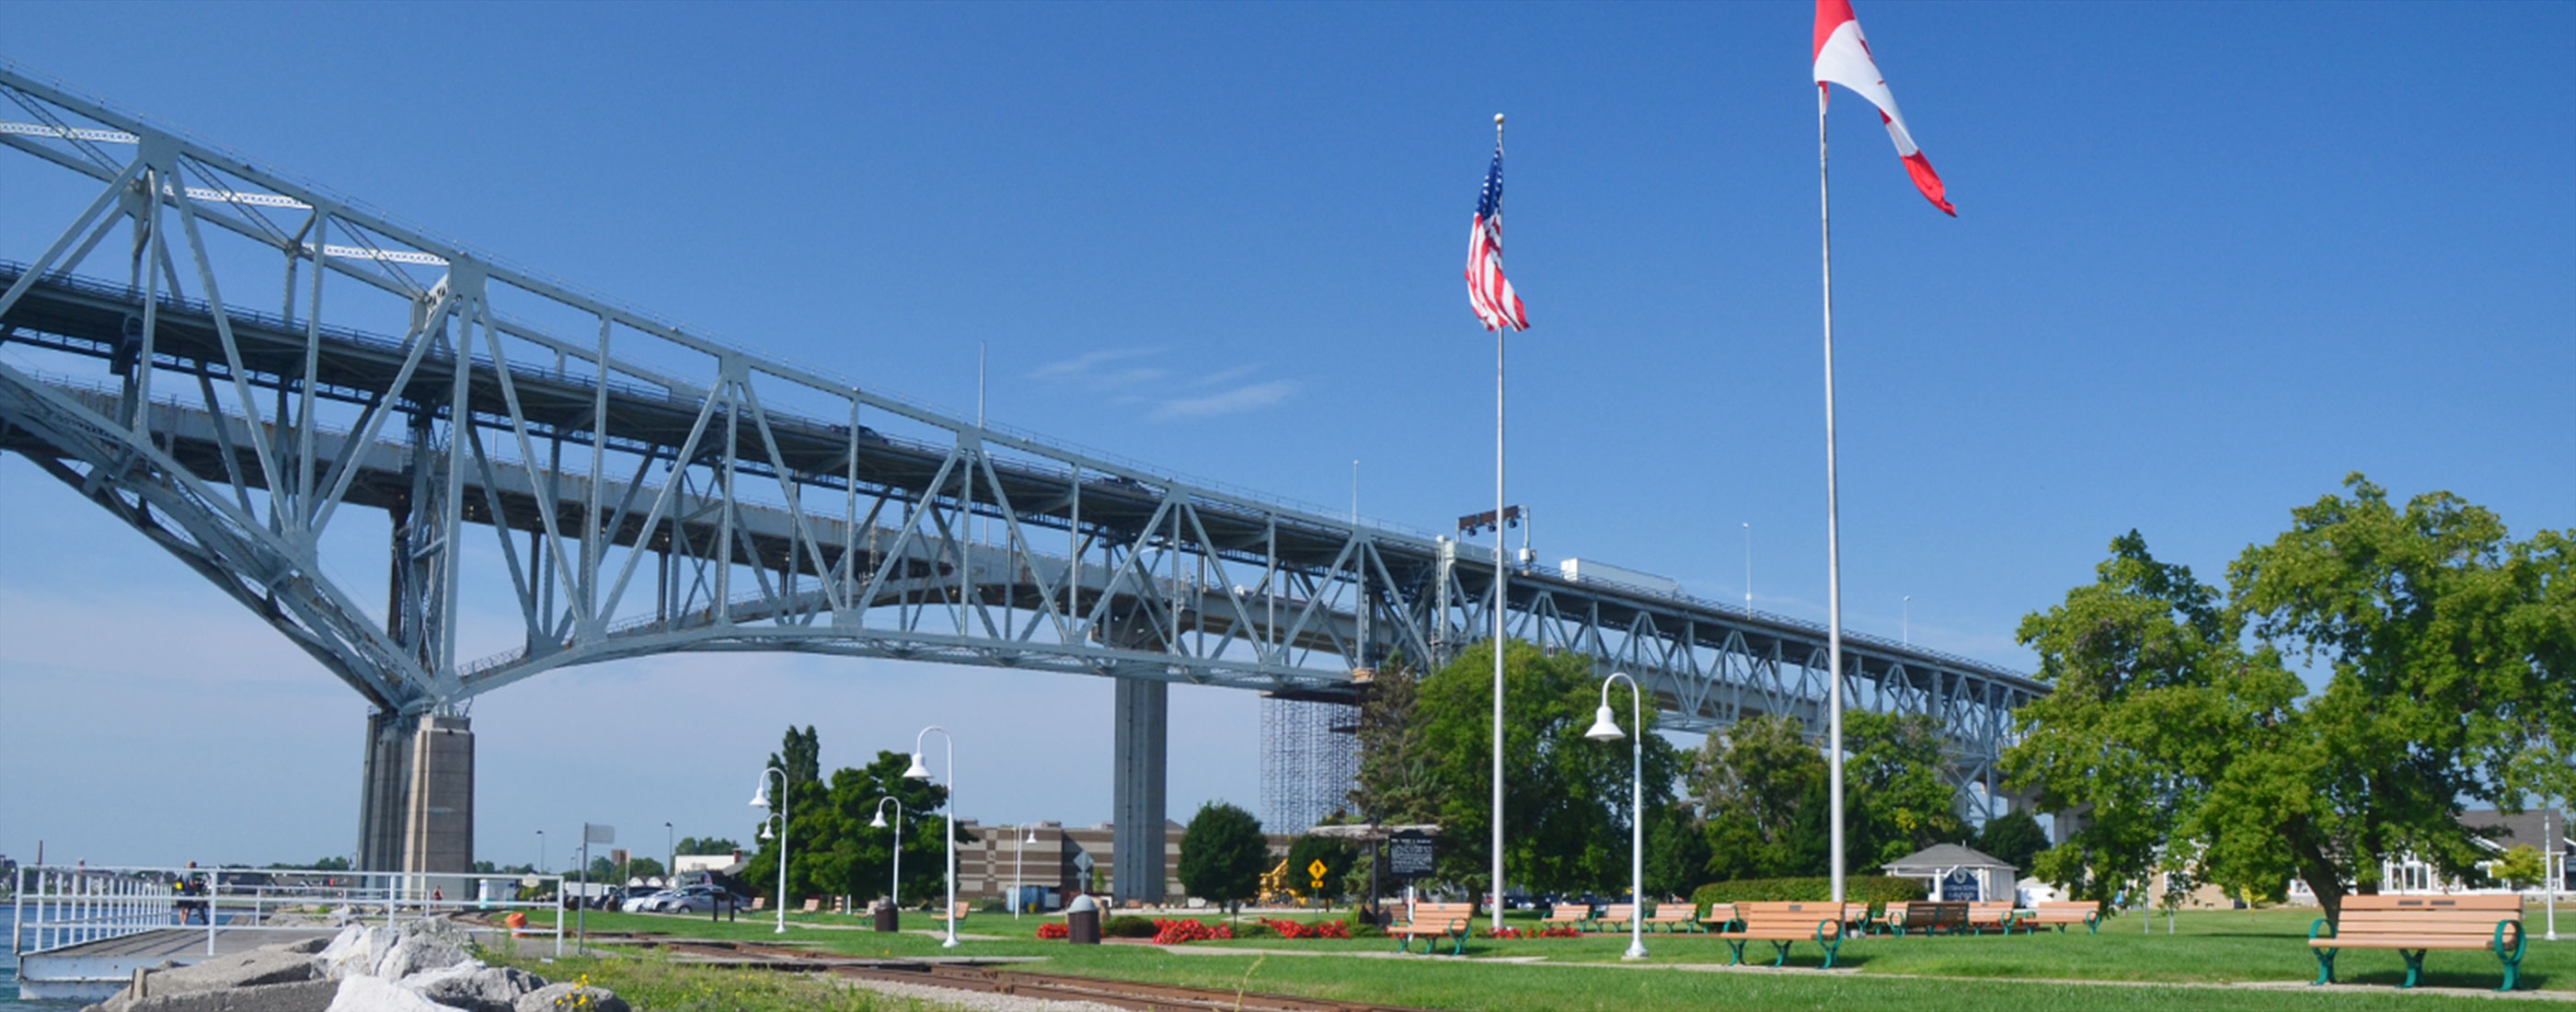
95 971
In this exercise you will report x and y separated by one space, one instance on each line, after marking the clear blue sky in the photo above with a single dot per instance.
2209 259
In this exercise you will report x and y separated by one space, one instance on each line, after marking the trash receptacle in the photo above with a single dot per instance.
1082 921
886 916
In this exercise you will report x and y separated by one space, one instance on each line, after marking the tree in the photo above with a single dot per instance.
692 846
1394 784
1896 788
2453 652
2521 867
1677 851
1223 854
2014 837
2153 703
1565 799
1760 787
1337 856
2449 661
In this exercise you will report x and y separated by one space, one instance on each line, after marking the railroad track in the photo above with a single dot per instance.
1143 997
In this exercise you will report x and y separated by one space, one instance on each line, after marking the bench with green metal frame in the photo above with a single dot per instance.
1783 924
2414 925
1431 922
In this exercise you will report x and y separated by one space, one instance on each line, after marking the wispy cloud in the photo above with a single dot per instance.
1227 402
1111 366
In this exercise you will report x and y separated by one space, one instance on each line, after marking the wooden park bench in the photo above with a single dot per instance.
2413 925
1720 916
1567 915
1922 917
1433 921
813 904
1784 923
1984 917
959 912
2062 914
1855 918
1672 917
760 903
1618 914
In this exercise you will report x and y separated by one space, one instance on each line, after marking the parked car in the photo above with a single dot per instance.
696 899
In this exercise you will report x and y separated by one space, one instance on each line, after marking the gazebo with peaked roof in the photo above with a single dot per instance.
1941 863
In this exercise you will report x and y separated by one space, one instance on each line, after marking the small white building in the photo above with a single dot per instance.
1953 872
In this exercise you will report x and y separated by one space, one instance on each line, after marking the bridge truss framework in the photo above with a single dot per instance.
629 487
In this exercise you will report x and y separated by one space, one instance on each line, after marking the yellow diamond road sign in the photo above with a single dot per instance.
1317 870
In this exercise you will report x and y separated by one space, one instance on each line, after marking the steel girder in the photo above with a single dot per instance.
630 487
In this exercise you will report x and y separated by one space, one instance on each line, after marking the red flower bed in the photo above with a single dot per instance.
1320 929
1170 932
1560 931
1054 929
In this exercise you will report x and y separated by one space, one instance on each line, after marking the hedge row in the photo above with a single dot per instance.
1871 889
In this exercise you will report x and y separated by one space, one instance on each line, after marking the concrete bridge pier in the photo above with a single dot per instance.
416 804
1137 837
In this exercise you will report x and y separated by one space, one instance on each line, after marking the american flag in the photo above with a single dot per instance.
1488 292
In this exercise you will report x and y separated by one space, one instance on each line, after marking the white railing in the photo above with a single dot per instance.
56 906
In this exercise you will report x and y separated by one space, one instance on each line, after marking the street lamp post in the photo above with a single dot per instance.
922 772
671 871
894 883
760 799
1606 728
1908 620
541 852
1748 569
1020 848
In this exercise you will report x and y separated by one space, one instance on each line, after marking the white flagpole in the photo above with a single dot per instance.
1833 517
1499 598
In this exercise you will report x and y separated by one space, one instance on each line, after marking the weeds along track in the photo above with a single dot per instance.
1143 997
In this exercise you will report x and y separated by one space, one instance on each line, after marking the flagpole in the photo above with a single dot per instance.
1500 599
1833 518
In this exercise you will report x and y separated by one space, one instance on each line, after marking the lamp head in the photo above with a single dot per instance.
1604 726
764 831
879 821
1029 836
917 771
760 798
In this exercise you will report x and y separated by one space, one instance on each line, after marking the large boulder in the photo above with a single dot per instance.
571 998
417 951
376 994
354 951
475 987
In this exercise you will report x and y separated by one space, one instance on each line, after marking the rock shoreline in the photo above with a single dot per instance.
419 967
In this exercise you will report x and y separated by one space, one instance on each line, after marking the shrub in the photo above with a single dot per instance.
1870 889
1257 929
1127 926
1054 929
1354 926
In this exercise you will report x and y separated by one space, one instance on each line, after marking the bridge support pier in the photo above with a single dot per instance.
416 805
1137 837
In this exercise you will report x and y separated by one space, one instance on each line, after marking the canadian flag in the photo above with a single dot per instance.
1842 57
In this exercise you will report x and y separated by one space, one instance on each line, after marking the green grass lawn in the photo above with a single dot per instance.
2205 948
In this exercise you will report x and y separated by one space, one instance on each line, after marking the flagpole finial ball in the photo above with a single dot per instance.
1498 119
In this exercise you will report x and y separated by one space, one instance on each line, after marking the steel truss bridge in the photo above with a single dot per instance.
630 486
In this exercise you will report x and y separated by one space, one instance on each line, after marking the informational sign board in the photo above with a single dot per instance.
1962 885
1409 855
595 833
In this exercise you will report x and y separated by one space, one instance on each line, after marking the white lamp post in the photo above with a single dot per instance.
1908 620
760 799
894 882
918 771
1606 728
1027 837
541 852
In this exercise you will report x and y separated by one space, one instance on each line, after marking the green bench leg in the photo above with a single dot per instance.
2512 960
1459 949
1831 949
2325 965
1781 959
2414 966
1735 952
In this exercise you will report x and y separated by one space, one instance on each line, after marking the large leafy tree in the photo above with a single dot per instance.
1337 855
2184 740
832 851
1760 786
1223 854
2453 657
1565 799
1896 788
1394 785
2014 837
